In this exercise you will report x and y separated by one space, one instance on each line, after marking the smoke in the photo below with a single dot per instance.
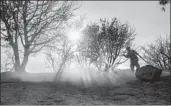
26 77
86 76
79 75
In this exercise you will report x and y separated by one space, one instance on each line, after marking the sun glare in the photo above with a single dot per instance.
74 35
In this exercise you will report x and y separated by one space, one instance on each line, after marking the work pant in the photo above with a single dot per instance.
134 63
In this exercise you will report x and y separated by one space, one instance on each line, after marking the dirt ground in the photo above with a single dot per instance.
48 93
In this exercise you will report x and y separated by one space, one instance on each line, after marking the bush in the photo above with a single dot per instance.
158 53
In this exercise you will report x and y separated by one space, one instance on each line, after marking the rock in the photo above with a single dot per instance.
149 73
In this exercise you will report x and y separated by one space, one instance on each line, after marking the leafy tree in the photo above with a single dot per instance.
103 43
31 25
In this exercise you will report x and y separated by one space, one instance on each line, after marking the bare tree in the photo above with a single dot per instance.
104 43
51 61
158 53
32 24
59 54
66 54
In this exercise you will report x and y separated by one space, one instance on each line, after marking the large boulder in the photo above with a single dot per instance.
149 73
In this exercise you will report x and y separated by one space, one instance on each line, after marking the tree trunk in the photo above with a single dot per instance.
20 67
17 64
24 63
25 60
107 67
59 71
17 58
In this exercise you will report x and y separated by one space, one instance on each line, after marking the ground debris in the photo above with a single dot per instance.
134 93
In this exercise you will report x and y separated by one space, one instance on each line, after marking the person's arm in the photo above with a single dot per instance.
125 55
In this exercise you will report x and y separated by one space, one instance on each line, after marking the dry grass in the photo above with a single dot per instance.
133 93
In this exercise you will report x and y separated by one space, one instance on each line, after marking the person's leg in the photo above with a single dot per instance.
137 65
132 67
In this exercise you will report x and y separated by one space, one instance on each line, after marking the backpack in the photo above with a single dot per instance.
133 55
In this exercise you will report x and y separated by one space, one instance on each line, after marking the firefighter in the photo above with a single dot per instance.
132 55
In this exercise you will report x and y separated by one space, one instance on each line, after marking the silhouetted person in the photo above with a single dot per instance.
132 54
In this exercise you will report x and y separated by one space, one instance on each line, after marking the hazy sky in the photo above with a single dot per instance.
146 16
